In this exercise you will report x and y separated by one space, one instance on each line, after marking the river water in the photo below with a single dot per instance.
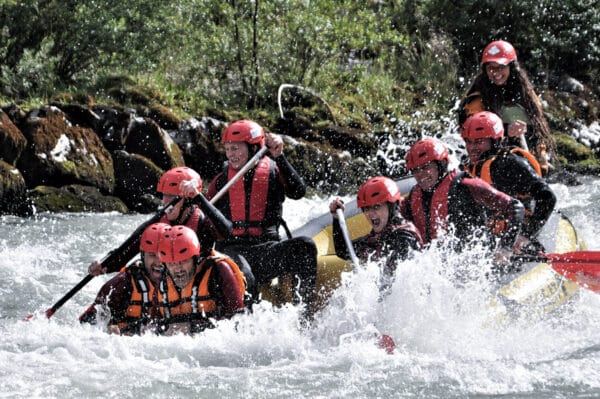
447 348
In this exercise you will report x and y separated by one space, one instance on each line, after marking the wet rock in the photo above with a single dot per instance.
74 198
136 181
12 141
113 126
199 141
146 138
59 153
570 85
13 193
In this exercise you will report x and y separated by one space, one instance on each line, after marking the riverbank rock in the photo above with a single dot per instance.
59 153
136 181
147 138
13 192
91 152
12 141
74 198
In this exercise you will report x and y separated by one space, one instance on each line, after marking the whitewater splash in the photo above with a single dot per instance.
448 345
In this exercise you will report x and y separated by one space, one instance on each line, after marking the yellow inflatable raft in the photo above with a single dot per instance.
537 288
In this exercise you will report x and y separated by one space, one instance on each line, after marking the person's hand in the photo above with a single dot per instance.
502 256
517 128
96 268
113 329
521 244
275 144
189 188
335 205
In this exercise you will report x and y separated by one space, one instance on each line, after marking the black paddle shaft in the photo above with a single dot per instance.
113 257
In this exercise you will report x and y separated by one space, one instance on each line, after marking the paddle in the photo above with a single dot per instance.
582 267
384 341
249 165
342 220
111 257
114 255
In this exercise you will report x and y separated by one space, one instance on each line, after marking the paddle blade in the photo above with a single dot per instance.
586 275
588 257
386 343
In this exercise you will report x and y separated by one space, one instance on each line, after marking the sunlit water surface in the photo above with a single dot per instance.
447 346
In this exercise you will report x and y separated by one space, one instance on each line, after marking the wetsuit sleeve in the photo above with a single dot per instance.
545 200
513 175
221 224
401 244
294 185
230 290
114 295
511 209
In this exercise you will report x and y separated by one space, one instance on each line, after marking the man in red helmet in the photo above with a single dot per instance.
443 201
254 204
197 289
192 210
391 237
511 170
129 300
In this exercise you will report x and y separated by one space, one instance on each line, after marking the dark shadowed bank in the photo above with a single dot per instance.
86 157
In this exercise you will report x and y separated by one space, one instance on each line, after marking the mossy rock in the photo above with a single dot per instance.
60 153
136 180
572 152
12 141
74 198
13 193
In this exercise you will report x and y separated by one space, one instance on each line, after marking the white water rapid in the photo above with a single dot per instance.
447 347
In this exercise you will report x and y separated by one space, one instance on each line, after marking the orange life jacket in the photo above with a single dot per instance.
195 301
482 169
141 300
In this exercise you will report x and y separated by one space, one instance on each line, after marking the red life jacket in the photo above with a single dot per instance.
193 221
438 211
248 211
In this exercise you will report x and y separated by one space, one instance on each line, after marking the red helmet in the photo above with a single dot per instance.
169 181
483 125
376 190
177 244
425 151
500 52
244 130
151 237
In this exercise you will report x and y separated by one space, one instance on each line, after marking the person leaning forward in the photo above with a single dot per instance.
197 213
199 288
391 239
129 299
254 204
511 170
442 201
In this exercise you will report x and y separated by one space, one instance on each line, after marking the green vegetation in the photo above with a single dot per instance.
370 60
